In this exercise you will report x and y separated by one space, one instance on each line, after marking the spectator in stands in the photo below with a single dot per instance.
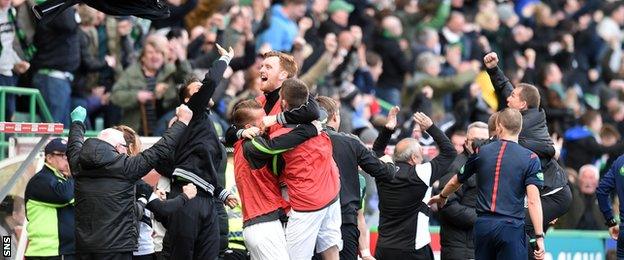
395 61
177 10
49 199
283 30
428 74
559 102
580 143
56 59
585 214
609 136
146 91
338 11
11 45
86 91
105 178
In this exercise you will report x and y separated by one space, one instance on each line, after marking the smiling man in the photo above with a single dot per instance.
276 68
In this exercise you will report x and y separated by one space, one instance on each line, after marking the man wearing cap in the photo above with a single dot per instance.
338 21
50 206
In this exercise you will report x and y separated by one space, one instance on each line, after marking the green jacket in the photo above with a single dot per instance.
124 93
440 85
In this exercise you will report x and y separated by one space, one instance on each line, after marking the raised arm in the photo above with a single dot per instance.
76 138
199 101
382 140
502 85
447 154
139 165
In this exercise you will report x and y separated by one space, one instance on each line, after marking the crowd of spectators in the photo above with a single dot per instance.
370 55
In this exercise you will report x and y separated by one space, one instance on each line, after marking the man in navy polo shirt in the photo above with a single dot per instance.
506 173
613 180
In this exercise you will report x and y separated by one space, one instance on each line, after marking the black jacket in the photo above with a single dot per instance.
89 64
401 204
349 153
57 43
105 194
534 133
458 216
199 155
49 10
395 63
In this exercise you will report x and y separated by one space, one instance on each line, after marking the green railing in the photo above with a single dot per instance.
36 100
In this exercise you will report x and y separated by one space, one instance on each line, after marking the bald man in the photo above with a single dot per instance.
404 216
106 222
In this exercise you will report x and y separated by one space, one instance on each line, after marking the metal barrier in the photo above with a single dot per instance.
36 100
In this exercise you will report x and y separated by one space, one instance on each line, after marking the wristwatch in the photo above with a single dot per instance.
539 235
611 222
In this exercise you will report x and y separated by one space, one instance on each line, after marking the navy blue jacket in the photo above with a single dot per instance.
614 179
50 202
503 170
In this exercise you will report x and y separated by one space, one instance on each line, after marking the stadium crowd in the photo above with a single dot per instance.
294 78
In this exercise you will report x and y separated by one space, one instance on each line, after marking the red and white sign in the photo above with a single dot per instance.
31 128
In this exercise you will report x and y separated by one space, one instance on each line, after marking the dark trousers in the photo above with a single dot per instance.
425 253
193 231
350 240
498 237
63 257
553 206
9 81
144 257
108 256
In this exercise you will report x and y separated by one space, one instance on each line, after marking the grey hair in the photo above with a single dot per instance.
112 136
405 155
477 124
425 60
589 167
425 35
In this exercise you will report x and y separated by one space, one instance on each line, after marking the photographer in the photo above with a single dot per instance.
458 216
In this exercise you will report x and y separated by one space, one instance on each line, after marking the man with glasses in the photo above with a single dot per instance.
50 206
106 217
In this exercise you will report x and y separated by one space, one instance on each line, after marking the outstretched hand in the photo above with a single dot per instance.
79 114
423 120
392 118
223 52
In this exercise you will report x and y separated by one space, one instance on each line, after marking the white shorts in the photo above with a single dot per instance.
266 241
307 230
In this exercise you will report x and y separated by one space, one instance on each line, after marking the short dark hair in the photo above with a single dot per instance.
287 62
589 117
294 2
530 95
610 130
240 114
372 58
183 92
329 104
294 92
492 124
511 120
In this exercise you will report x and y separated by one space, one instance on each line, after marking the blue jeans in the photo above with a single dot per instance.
9 81
57 95
390 95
